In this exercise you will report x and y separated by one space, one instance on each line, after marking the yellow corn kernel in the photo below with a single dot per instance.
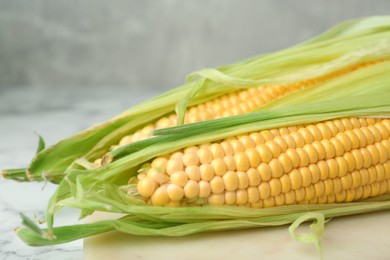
146 187
216 199
243 180
175 192
242 161
253 194
204 189
174 165
179 178
230 197
217 185
230 181
264 171
253 177
191 190
160 196
206 171
241 197
295 179
219 167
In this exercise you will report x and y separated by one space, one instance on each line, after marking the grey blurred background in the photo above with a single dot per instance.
151 44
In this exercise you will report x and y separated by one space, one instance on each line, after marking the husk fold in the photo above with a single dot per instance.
361 93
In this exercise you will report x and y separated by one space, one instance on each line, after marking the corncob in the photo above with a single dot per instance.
236 103
341 160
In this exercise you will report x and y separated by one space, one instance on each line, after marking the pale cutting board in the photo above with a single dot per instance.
364 236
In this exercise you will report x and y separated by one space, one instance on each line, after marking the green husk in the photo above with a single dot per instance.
165 222
104 188
362 93
353 42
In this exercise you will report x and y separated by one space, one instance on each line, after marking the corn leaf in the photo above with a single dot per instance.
163 227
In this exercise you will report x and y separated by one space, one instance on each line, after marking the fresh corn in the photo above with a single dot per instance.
237 103
273 138
340 160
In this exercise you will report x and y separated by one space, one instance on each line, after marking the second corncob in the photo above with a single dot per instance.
340 160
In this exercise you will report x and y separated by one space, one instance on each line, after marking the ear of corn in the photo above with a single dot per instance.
328 96
236 103
347 45
105 188
323 149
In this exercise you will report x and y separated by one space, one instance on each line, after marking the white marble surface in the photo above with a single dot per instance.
55 114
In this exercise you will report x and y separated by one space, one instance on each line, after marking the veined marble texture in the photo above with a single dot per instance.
54 114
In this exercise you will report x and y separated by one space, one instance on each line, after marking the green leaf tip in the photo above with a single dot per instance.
181 106
41 143
316 228
34 229
23 174
28 223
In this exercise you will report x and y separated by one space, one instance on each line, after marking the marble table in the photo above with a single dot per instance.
54 113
